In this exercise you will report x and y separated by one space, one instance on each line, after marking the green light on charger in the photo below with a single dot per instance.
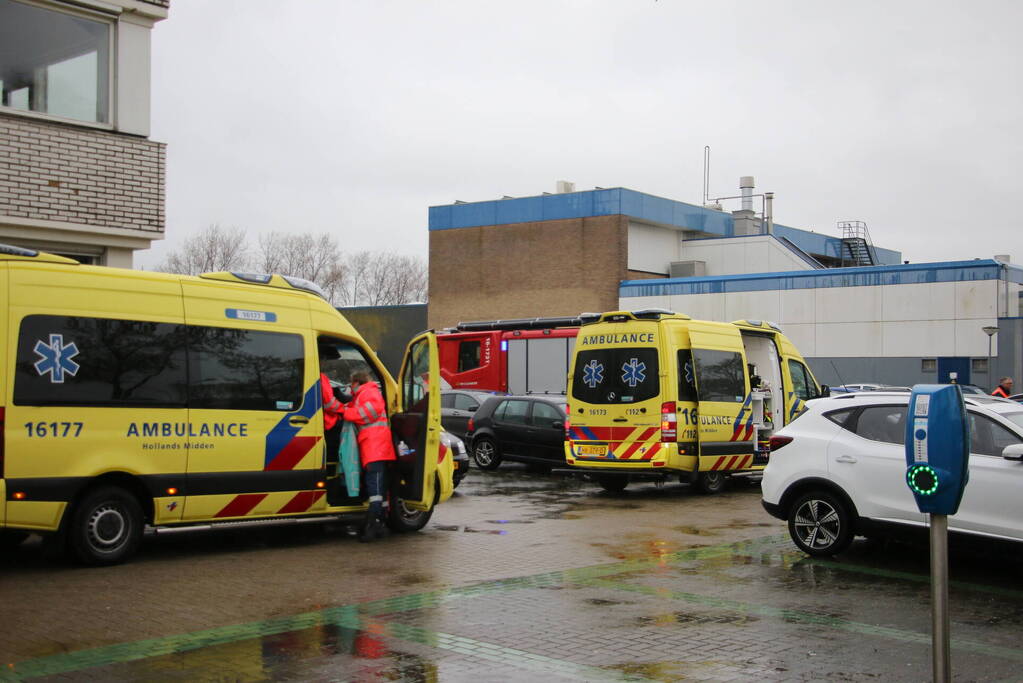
922 479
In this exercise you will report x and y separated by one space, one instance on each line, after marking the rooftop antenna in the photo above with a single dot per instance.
706 174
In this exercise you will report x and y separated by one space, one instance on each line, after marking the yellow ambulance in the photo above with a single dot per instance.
131 399
655 394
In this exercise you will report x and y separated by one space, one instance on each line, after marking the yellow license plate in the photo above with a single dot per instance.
597 451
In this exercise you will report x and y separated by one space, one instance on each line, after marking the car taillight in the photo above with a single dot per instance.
470 426
778 441
669 422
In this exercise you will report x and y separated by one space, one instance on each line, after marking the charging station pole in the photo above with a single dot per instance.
940 625
937 470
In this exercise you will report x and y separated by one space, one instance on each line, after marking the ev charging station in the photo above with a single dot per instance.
937 469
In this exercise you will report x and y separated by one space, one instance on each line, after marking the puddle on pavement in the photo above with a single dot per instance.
695 531
688 619
469 529
666 671
509 521
605 603
296 655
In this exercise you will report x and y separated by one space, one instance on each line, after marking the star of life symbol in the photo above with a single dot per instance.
55 358
633 372
593 374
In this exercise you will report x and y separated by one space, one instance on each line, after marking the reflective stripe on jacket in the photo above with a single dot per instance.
331 406
1000 391
368 412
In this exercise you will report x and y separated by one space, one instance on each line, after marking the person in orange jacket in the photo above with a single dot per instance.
1004 388
332 408
368 412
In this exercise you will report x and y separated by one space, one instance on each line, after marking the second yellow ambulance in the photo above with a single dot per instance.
656 394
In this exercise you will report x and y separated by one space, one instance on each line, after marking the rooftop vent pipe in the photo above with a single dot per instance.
746 186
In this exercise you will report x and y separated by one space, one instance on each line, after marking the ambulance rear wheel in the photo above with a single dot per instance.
106 527
10 539
485 453
710 482
403 519
613 483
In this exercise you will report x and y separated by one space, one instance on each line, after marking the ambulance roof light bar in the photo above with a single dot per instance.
282 281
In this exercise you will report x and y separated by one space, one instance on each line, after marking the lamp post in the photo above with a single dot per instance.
990 331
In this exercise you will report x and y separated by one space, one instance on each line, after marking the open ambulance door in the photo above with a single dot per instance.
416 426
726 431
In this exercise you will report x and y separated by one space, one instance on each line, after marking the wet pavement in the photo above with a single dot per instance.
519 577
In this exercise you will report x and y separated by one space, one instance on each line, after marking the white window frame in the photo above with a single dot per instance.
104 13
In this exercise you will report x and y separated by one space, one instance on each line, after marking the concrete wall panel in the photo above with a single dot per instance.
700 306
919 338
652 248
849 339
848 304
753 305
976 299
797 306
928 301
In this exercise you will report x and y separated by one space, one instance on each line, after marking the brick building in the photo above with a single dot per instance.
78 174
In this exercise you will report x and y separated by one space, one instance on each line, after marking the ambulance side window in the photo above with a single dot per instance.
233 369
76 361
802 383
721 375
348 359
686 376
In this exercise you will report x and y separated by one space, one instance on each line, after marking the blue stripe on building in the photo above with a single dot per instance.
913 273
622 201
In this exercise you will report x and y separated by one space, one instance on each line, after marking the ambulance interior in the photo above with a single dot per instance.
762 357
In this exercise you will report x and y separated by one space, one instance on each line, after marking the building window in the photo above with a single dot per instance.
928 365
979 365
55 63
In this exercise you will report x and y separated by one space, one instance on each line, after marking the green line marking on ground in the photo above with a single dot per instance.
791 615
357 616
156 647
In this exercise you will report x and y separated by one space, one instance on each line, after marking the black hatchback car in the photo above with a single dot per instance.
524 428
457 406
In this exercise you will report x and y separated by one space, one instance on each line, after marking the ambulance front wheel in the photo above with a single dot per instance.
402 518
485 453
711 482
106 527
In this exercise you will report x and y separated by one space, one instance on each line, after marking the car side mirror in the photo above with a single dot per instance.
825 391
558 424
1013 452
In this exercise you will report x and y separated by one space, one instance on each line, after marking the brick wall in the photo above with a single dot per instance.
547 268
58 172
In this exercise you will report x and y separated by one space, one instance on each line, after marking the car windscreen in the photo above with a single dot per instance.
616 376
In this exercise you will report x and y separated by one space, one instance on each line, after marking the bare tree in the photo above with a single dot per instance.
364 278
384 279
212 249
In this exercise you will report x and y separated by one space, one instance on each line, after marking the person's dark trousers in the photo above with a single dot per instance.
376 488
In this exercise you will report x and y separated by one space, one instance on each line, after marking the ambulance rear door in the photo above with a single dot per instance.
416 424
726 430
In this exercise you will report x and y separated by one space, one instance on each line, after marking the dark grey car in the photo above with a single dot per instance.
457 406
525 428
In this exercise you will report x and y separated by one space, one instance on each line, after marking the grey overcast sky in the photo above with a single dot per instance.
355 117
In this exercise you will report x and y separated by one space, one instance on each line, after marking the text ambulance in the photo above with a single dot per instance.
656 394
130 398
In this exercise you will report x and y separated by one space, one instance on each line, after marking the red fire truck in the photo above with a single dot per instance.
528 356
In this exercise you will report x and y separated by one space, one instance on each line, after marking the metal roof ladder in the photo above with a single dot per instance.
857 249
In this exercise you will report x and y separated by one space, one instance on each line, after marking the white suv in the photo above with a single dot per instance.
839 471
